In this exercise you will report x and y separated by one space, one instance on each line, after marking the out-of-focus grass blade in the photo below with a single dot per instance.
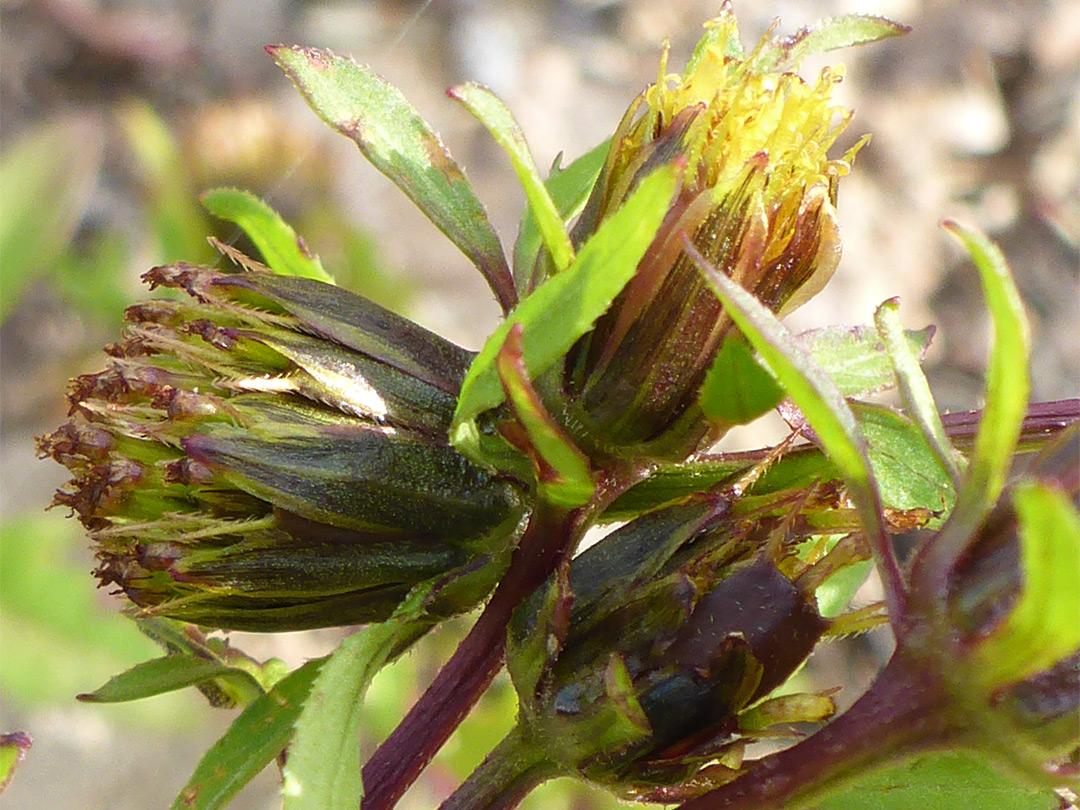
46 180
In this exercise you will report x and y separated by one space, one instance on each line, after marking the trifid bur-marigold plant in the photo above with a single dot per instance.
267 451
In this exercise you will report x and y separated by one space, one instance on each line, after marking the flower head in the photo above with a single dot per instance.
272 455
757 199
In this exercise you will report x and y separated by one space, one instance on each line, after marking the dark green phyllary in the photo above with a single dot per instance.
272 455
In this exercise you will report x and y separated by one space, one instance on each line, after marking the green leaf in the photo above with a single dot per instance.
258 735
835 594
914 387
323 769
283 251
167 674
46 180
674 482
400 144
808 386
570 189
1044 626
562 470
1007 387
13 749
566 306
855 357
737 389
948 781
825 35
909 473
499 121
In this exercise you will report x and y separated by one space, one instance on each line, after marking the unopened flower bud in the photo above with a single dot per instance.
645 666
273 456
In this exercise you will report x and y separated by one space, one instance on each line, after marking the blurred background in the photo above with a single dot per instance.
116 115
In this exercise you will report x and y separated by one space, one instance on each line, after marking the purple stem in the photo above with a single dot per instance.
401 758
904 713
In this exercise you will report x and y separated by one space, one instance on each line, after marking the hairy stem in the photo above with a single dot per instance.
401 758
504 778
904 713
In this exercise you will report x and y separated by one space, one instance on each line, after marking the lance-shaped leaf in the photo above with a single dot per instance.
499 121
258 735
914 387
566 306
562 470
283 251
323 769
1007 388
569 188
1007 382
824 406
167 674
400 144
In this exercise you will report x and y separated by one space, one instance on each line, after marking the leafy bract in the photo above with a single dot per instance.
909 474
565 307
564 477
1007 382
283 251
914 387
737 389
856 358
400 144
808 386
947 781
829 34
494 115
1043 627
167 674
569 189
323 770
258 735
